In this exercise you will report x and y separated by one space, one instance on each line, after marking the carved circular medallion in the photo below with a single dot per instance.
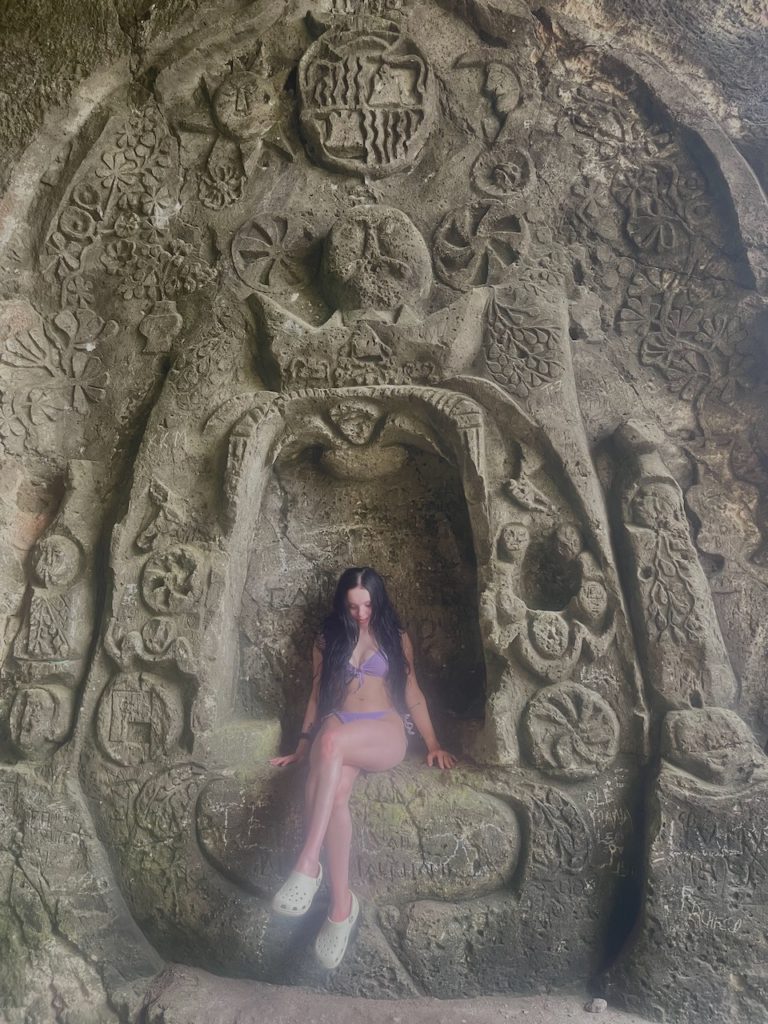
478 243
158 635
164 805
55 561
375 258
570 731
550 634
274 254
503 171
245 104
171 580
367 98
139 718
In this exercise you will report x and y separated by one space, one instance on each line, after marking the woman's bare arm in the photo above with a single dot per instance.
417 708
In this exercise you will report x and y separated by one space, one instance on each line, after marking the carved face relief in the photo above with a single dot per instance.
375 258
356 421
513 541
656 506
55 561
245 104
367 99
505 170
502 85
35 722
550 634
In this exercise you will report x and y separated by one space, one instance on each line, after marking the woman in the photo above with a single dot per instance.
363 689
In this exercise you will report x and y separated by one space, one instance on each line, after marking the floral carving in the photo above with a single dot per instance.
661 201
477 244
127 200
149 270
663 207
57 371
696 345
521 353
220 186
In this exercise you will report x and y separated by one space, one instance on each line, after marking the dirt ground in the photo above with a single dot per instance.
184 995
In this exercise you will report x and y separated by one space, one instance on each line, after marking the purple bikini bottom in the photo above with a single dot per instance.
356 716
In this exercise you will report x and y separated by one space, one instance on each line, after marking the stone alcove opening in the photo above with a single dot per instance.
396 507
551 572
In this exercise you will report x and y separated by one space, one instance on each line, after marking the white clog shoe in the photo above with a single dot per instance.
331 942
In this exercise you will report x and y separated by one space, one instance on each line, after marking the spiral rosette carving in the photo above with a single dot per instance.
478 243
172 580
570 731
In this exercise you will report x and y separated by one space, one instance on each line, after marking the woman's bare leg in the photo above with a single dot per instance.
374 746
338 842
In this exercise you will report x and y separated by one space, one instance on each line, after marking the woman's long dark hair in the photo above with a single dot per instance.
340 634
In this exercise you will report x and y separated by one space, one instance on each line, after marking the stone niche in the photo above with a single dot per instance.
446 289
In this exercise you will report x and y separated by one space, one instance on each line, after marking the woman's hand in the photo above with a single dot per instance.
281 762
440 758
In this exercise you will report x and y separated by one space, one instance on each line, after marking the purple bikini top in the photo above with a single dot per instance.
376 664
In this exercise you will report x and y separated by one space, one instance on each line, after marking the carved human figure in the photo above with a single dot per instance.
364 697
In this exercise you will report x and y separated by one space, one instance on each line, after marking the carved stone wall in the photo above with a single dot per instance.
445 288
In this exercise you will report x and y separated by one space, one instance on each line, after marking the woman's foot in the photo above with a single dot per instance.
339 910
295 895
333 938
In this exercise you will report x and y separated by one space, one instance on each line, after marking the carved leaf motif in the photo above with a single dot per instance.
521 355
30 351
45 404
560 838
60 373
